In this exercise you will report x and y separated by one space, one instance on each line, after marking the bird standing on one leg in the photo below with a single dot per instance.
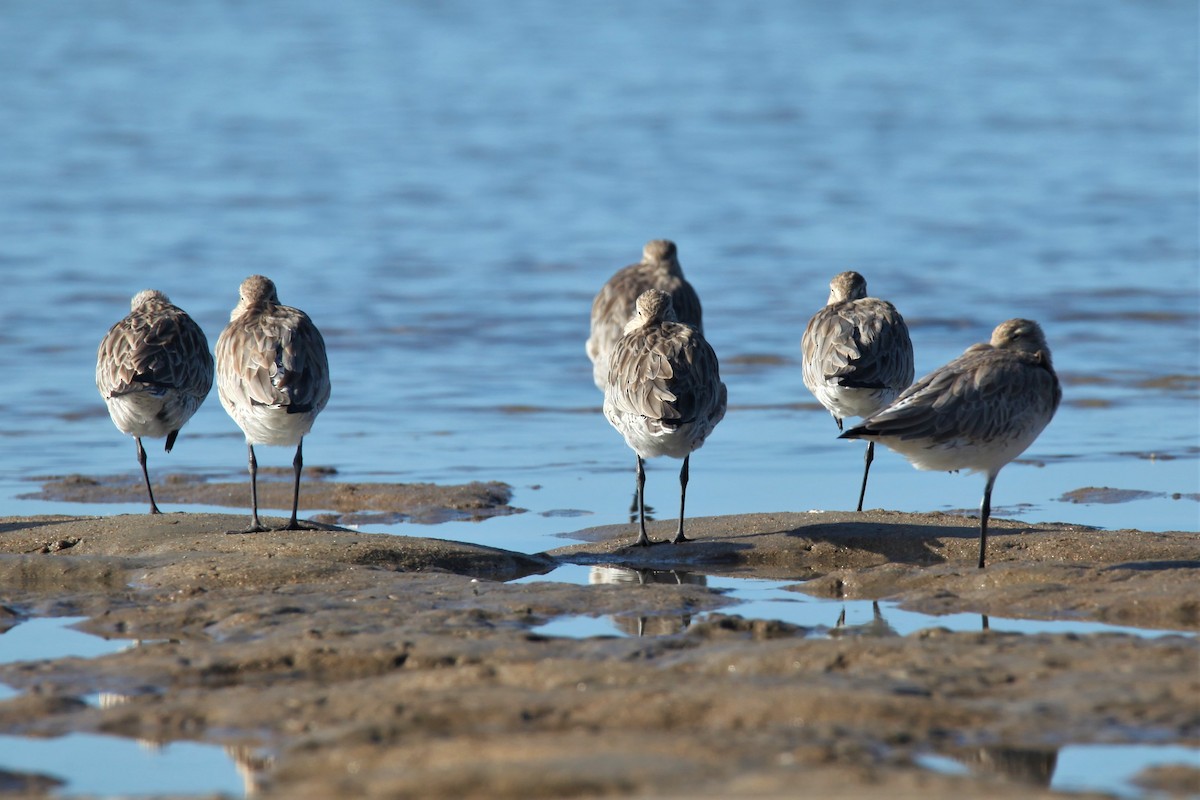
977 413
663 392
153 370
272 378
857 355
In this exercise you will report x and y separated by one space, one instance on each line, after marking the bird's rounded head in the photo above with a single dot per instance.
1020 334
653 306
146 296
256 291
659 251
847 286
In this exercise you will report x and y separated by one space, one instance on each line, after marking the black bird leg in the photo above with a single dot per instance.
985 511
643 540
256 525
297 466
869 457
141 457
683 482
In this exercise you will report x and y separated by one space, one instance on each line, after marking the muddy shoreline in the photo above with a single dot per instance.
340 663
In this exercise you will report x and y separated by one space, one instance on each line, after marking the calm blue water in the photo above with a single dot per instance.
445 185
109 766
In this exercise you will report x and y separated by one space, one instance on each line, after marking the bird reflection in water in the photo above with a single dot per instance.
1030 766
252 765
646 625
877 626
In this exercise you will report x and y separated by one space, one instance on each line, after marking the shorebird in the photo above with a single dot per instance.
613 306
153 370
977 413
663 392
857 355
272 378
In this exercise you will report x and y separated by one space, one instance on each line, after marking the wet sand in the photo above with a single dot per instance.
335 663
351 503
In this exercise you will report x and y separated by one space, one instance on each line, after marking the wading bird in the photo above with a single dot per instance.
977 413
153 370
857 355
663 393
272 378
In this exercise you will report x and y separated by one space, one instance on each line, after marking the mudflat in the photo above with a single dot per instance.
334 663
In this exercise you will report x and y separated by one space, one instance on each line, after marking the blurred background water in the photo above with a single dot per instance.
444 186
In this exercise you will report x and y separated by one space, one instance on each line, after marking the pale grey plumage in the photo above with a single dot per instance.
857 355
153 369
977 413
613 306
663 391
272 377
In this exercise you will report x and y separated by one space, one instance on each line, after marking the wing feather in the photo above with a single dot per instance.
976 397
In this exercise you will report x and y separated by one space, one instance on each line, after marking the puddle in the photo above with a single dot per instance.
580 627
48 638
107 766
772 600
1112 767
1108 768
53 637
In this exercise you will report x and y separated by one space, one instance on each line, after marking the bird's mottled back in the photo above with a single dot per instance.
663 375
614 305
857 354
271 356
156 347
978 409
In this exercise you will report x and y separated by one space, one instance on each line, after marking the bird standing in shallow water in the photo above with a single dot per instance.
978 412
857 355
614 305
272 378
663 393
153 370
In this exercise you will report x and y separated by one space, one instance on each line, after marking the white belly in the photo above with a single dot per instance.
270 424
149 414
961 454
844 401
649 440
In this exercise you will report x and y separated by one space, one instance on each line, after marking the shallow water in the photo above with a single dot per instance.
772 600
1074 768
444 186
54 637
102 765
109 766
